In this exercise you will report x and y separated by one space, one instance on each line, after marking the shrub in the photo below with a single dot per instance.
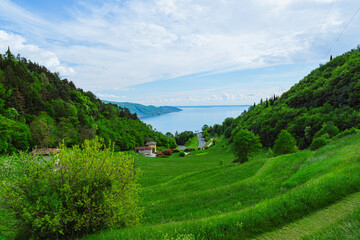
158 153
245 144
346 132
270 153
182 154
319 142
189 149
284 144
174 150
76 192
328 128
167 152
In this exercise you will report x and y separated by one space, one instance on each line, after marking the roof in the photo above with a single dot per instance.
150 143
142 148
44 151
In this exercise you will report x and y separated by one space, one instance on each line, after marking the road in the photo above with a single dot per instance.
200 140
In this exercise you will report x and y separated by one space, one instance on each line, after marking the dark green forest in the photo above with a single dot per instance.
324 101
39 109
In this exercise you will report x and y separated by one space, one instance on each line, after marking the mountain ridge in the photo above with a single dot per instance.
143 111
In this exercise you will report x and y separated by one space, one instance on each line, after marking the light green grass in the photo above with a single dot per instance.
192 143
197 196
316 222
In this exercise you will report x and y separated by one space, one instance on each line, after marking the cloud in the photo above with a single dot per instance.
18 44
119 44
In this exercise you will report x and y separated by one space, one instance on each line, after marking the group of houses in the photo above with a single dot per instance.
148 151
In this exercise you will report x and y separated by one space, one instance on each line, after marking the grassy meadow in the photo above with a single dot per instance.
310 195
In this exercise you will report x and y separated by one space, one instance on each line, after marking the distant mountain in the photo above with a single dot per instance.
143 111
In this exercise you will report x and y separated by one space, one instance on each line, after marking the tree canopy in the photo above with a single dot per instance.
245 144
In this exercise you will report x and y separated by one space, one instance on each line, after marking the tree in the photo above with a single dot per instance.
204 127
245 145
285 143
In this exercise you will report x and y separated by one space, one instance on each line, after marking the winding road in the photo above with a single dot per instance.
200 140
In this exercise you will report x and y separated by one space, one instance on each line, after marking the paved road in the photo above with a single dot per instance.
200 140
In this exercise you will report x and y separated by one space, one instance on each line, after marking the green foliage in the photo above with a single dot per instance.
182 154
56 111
14 135
330 93
284 144
346 132
245 145
270 153
328 128
183 137
78 191
320 142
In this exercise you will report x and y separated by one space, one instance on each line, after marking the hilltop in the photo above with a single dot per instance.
328 95
143 111
39 109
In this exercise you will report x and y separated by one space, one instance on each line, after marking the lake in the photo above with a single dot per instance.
193 118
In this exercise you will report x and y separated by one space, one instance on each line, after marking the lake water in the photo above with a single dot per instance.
193 118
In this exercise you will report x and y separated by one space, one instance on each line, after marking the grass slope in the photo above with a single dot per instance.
197 198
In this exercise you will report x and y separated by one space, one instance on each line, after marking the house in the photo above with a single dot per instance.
152 145
145 151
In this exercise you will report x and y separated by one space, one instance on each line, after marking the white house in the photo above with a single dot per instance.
145 151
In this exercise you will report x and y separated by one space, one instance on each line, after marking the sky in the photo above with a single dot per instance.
180 52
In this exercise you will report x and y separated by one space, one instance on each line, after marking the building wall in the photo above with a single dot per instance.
145 152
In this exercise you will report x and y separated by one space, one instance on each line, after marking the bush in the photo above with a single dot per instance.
159 153
76 192
346 132
182 154
174 150
270 153
189 149
328 128
167 152
320 142
284 144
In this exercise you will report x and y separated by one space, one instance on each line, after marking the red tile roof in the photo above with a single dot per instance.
142 148
44 151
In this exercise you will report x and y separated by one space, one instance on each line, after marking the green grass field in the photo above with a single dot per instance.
311 195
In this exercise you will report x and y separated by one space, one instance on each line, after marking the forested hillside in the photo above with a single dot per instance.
38 109
143 111
329 97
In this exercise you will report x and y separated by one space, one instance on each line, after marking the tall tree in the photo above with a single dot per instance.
245 145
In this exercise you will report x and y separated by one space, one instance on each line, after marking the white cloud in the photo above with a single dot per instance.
116 45
18 44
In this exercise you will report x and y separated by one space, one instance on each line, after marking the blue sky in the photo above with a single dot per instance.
172 52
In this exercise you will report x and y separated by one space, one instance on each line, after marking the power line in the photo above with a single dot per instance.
352 18
317 35
322 25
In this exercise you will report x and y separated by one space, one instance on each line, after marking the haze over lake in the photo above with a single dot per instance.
194 117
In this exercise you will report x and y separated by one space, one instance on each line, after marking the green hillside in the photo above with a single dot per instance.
287 197
38 109
329 95
143 111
